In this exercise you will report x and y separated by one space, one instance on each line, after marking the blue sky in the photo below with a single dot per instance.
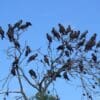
44 14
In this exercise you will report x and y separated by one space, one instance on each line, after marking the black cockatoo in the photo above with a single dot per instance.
10 33
16 44
94 57
13 71
83 35
15 62
61 29
68 29
24 26
65 76
60 47
17 24
46 59
32 57
1 33
32 73
55 33
49 38
28 51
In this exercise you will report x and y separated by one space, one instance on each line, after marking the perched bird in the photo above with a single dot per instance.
32 57
93 37
55 33
74 34
46 59
16 43
81 67
28 51
49 38
60 47
80 43
90 43
24 26
83 35
65 76
17 24
10 33
13 71
98 44
15 62
67 53
94 57
32 73
68 29
69 47
28 24
1 33
61 29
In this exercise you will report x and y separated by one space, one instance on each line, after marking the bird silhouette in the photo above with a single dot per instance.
83 35
24 26
1 33
17 24
69 47
80 43
32 57
32 73
55 33
94 57
16 43
60 47
65 76
61 29
46 59
68 29
15 62
13 71
67 53
91 43
98 44
10 33
28 51
49 38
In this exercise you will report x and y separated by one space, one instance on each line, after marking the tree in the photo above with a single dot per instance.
69 55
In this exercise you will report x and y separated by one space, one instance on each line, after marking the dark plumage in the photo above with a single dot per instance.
24 26
74 35
10 33
67 53
32 57
60 47
13 71
17 24
1 33
68 29
94 57
15 62
98 44
81 67
28 51
32 73
90 43
61 29
83 35
16 43
80 43
69 47
65 76
49 38
46 59
55 33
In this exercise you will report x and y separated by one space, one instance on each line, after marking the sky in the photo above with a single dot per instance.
45 14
